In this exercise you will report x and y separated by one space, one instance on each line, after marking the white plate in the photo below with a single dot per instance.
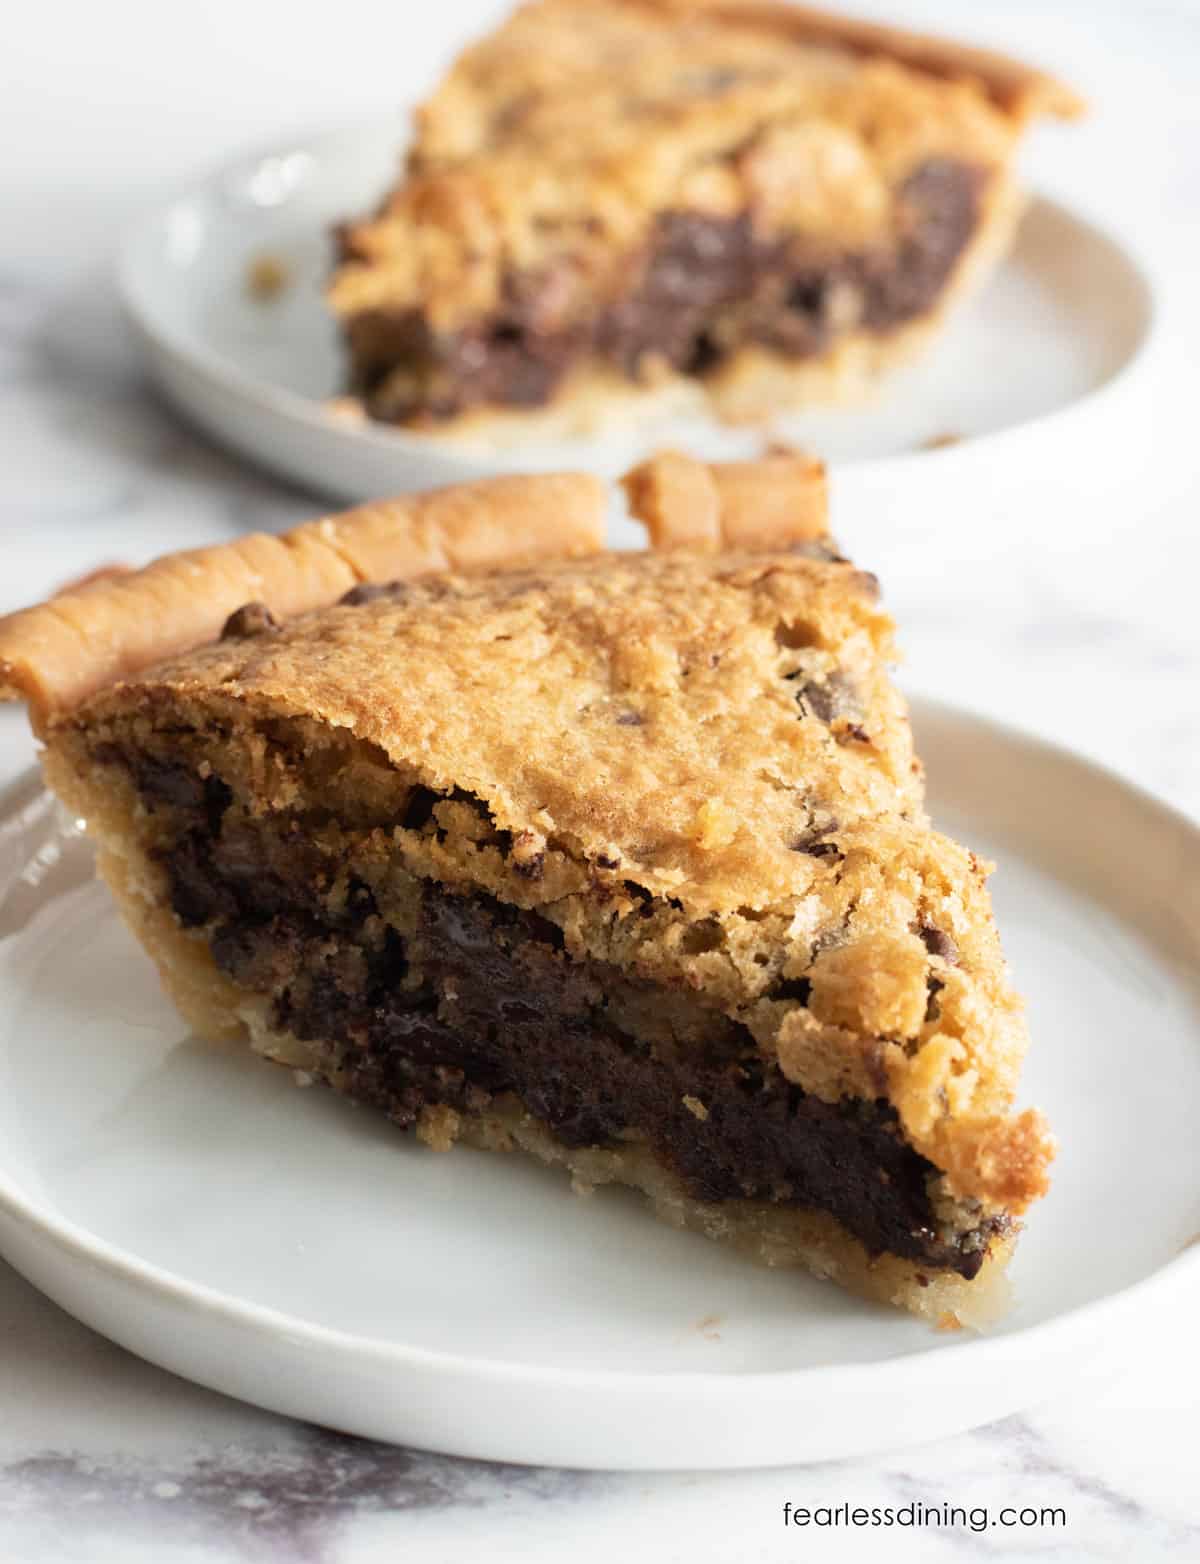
191 1203
1067 313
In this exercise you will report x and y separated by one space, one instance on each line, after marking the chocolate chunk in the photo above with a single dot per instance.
172 783
419 810
939 207
168 782
372 592
817 548
817 847
852 733
501 1009
249 620
259 956
696 267
630 719
799 989
933 1009
403 369
198 894
938 943
218 796
819 699
816 841
703 287
831 699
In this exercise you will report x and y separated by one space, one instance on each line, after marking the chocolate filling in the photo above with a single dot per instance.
702 288
479 998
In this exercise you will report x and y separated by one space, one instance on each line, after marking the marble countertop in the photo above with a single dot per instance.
1063 599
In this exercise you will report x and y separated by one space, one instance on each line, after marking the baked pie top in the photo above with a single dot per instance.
551 145
695 757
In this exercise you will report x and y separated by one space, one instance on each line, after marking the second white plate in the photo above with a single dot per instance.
1066 314
192 1204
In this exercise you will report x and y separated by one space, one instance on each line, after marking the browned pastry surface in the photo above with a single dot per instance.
613 193
99 629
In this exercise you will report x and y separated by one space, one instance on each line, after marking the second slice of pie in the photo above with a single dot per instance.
614 208
618 859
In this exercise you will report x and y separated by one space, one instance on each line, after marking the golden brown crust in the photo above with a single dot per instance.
56 654
1019 89
780 499
676 499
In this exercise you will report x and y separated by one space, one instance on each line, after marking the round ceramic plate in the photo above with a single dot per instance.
1067 313
190 1202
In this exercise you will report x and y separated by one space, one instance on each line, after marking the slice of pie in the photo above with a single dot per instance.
618 207
619 859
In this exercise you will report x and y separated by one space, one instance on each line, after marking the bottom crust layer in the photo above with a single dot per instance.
780 1237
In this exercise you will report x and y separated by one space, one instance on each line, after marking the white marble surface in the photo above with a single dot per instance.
1055 587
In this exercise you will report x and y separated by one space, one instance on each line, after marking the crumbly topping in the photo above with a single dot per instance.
551 145
692 716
